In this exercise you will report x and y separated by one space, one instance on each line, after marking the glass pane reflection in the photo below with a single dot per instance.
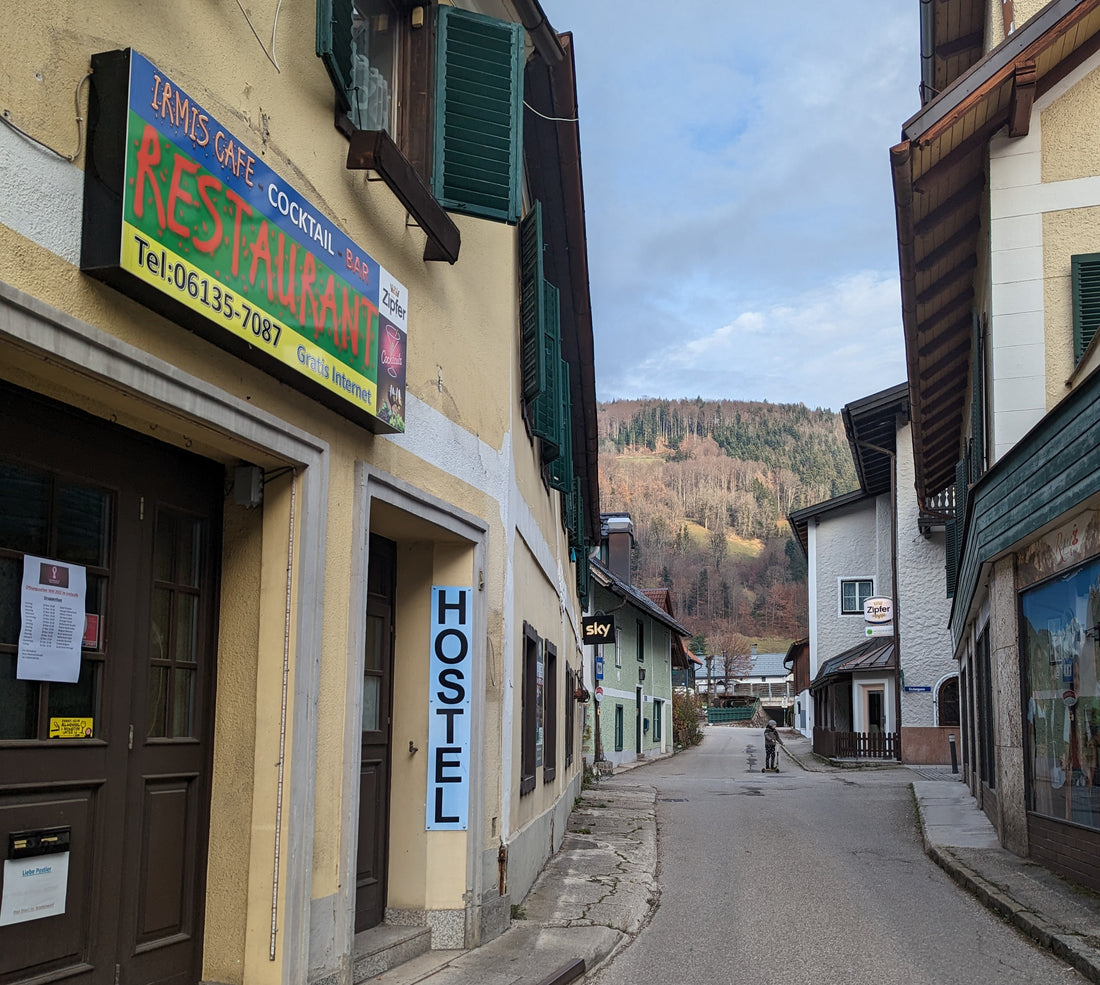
79 700
82 525
372 689
18 703
24 509
183 703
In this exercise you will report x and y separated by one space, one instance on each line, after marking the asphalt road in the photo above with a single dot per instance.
806 877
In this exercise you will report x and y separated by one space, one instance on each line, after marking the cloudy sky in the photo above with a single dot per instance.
740 216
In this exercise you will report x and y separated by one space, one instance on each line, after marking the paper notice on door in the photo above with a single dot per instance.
52 606
34 888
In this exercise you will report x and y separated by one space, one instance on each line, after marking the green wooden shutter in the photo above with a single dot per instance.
478 115
532 307
952 555
583 589
577 525
1085 269
977 418
334 44
561 468
546 410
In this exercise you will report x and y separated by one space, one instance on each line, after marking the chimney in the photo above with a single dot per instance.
753 649
619 531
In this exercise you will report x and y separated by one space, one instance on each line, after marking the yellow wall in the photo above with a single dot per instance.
1066 157
462 362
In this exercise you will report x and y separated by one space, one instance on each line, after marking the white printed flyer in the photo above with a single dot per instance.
34 888
52 605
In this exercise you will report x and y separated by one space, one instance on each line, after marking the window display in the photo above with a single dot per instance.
1061 623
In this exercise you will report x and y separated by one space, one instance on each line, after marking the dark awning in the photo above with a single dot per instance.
877 653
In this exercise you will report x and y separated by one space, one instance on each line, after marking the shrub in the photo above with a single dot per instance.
685 719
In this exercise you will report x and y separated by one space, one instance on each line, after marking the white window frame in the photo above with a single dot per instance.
841 582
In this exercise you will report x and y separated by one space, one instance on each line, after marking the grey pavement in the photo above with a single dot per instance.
1054 912
600 889
594 895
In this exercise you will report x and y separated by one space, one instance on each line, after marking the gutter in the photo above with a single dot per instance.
543 36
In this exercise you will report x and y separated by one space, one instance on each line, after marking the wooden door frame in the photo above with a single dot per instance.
95 367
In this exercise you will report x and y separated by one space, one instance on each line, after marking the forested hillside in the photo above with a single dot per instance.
709 485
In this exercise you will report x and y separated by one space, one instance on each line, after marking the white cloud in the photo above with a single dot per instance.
737 192
824 349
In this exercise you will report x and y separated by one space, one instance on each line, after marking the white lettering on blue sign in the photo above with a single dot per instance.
451 681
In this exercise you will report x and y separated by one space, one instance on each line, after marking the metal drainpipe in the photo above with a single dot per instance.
534 20
927 45
282 721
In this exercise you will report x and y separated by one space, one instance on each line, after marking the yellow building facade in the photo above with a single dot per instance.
268 414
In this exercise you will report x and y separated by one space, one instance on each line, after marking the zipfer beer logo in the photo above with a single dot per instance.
878 609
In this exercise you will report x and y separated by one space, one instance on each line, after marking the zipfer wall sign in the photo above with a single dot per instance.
184 217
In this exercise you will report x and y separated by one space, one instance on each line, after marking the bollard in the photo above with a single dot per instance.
954 755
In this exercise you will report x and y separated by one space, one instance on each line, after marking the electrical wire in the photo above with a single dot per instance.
274 28
79 129
552 119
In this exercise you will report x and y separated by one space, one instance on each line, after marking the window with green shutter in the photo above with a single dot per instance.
454 111
561 468
546 408
1085 269
532 306
479 114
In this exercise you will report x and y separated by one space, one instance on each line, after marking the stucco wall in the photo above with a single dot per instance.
1043 209
849 543
926 650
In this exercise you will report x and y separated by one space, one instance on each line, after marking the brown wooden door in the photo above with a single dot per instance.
374 764
142 520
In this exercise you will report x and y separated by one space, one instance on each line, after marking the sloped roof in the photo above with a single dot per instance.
765 665
800 519
797 649
635 596
871 424
876 653
939 178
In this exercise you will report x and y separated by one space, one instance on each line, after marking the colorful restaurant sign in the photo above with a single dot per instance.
183 216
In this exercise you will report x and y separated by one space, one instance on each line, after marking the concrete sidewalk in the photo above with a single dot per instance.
1054 912
596 892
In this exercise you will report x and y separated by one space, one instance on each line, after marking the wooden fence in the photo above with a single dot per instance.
855 745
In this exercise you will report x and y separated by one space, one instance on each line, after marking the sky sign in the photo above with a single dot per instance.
215 239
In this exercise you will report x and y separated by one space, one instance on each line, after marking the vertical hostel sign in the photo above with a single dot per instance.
186 218
450 664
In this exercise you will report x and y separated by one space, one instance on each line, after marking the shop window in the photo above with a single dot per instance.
529 709
453 109
987 762
947 703
853 593
1085 276
618 728
550 702
41 514
571 683
1060 624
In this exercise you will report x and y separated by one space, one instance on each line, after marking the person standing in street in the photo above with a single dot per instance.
771 739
